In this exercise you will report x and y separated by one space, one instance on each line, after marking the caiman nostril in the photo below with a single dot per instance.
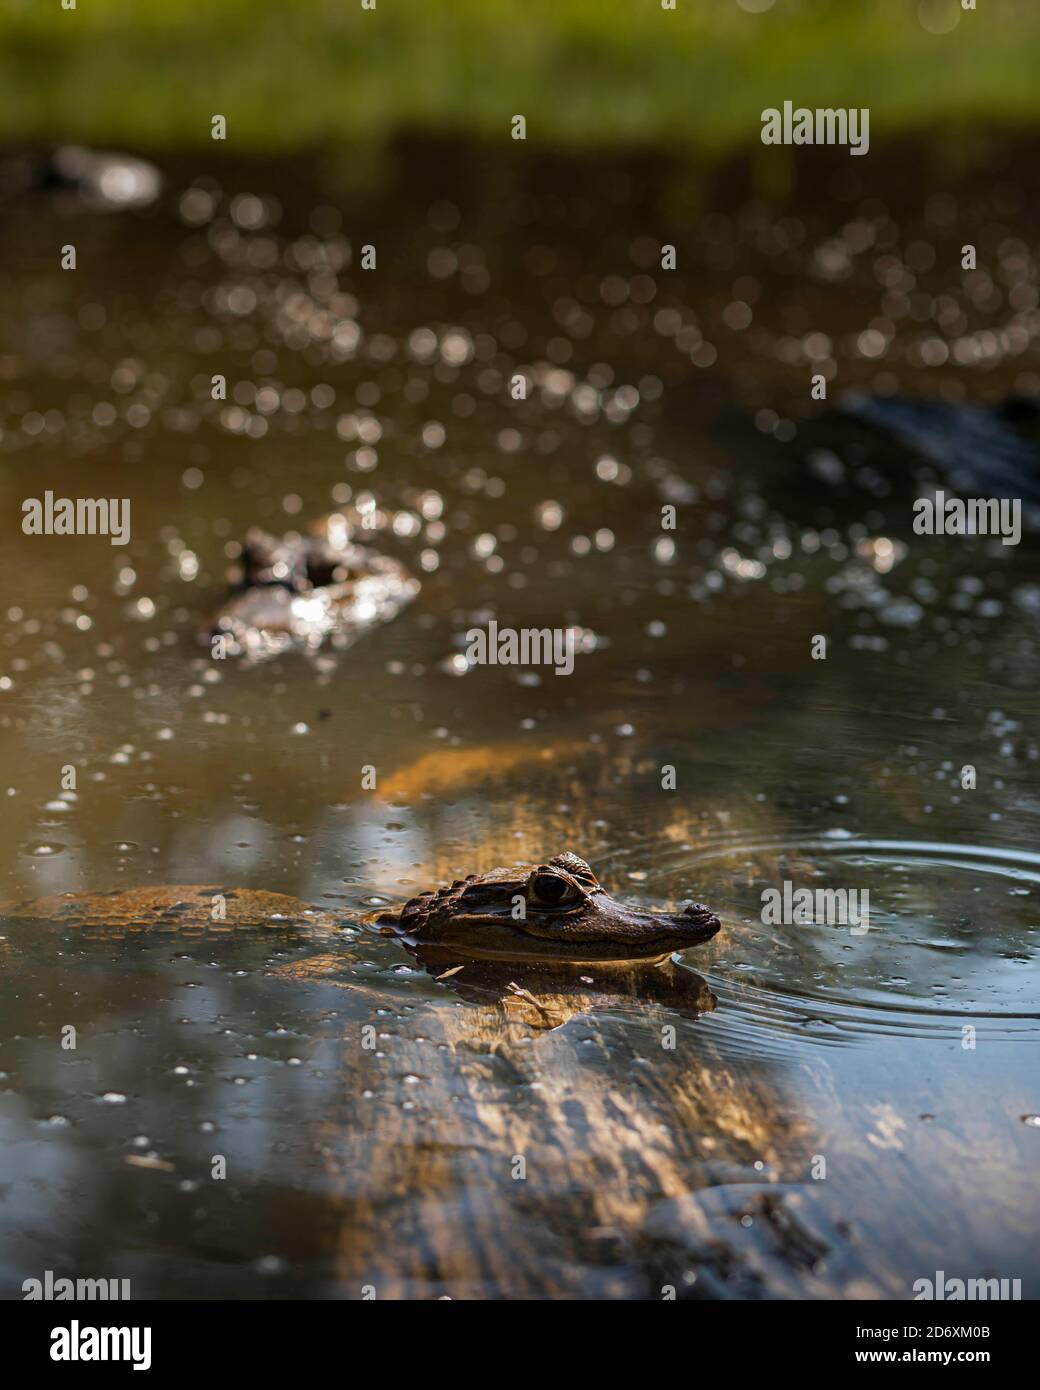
696 914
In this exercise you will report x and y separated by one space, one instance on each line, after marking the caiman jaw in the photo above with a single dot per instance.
552 911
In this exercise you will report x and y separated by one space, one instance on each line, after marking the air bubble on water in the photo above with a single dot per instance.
114 1098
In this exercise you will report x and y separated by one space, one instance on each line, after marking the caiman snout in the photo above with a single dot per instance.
644 932
700 922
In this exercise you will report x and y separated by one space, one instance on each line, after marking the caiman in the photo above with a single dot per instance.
556 911
301 591
495 1135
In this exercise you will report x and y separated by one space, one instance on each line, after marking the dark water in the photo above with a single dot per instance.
905 1057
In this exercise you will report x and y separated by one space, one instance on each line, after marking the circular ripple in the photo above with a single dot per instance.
951 937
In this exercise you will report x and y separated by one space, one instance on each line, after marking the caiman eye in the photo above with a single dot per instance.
553 890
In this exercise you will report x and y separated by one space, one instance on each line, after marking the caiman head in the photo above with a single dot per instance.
551 911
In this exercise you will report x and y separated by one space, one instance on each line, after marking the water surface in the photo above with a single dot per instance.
903 1058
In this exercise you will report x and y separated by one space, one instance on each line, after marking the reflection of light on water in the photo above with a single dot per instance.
881 553
740 567
947 853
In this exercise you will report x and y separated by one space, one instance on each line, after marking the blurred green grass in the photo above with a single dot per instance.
294 73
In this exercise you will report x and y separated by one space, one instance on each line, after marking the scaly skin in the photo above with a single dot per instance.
555 911
188 908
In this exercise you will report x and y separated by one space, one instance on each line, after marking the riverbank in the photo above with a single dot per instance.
585 73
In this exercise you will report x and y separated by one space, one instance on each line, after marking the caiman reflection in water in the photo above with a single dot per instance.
514 1152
